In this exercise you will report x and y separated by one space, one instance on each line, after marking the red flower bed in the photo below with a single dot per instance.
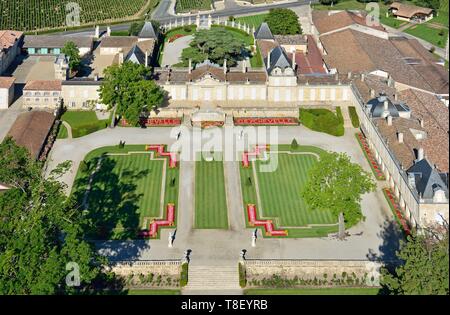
156 224
175 37
210 124
266 121
151 122
267 224
397 210
372 161
160 149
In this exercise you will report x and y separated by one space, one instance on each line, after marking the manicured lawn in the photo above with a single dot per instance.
210 199
254 20
314 291
154 292
125 192
279 193
62 132
430 34
84 122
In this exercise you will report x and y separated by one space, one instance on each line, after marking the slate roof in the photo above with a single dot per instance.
148 31
377 108
427 179
278 59
264 32
56 41
136 55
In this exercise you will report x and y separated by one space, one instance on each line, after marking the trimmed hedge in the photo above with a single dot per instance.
84 130
184 274
354 116
323 120
242 275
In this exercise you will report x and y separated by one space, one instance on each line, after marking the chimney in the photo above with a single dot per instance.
224 66
372 93
349 75
190 66
400 137
422 122
293 61
389 120
396 97
97 31
146 58
363 76
420 154
96 77
120 58
268 60
108 31
386 105
244 66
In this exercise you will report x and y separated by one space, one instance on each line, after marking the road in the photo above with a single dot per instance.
162 14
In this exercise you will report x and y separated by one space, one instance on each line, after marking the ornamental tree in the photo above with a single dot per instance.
283 22
126 89
424 268
41 232
216 45
71 50
337 184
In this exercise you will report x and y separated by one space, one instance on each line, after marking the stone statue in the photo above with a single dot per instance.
254 237
170 239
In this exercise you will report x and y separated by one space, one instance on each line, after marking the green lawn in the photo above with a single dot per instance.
84 122
314 291
430 34
153 292
62 132
210 199
280 193
254 20
125 191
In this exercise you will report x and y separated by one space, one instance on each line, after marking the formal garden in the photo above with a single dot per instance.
82 123
125 189
210 197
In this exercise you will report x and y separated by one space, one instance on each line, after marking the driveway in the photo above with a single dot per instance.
172 51
222 247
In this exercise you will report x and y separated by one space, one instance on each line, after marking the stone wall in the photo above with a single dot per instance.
326 272
149 274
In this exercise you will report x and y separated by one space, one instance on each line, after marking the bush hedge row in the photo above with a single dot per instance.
323 120
354 116
89 128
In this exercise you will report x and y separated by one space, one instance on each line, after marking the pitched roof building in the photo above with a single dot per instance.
263 32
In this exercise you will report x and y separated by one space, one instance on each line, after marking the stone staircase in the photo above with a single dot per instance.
212 278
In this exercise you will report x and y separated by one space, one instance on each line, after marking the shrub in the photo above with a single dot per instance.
184 274
187 28
84 168
294 144
242 275
354 116
322 120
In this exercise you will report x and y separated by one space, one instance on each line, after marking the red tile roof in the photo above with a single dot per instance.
8 38
6 82
43 85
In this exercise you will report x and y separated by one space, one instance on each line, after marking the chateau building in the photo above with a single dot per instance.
10 43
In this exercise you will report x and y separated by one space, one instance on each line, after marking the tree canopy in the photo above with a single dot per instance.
425 265
41 232
283 22
337 184
71 50
216 45
127 87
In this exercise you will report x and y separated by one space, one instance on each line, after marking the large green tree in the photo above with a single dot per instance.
283 22
337 184
126 89
216 45
41 232
424 265
71 50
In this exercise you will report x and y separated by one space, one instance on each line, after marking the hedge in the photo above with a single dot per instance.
184 274
322 120
84 130
354 116
242 275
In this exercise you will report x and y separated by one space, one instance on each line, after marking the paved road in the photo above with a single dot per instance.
219 247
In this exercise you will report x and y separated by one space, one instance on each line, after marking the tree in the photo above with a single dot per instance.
41 233
216 45
424 269
126 88
283 22
328 2
135 28
71 50
336 184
